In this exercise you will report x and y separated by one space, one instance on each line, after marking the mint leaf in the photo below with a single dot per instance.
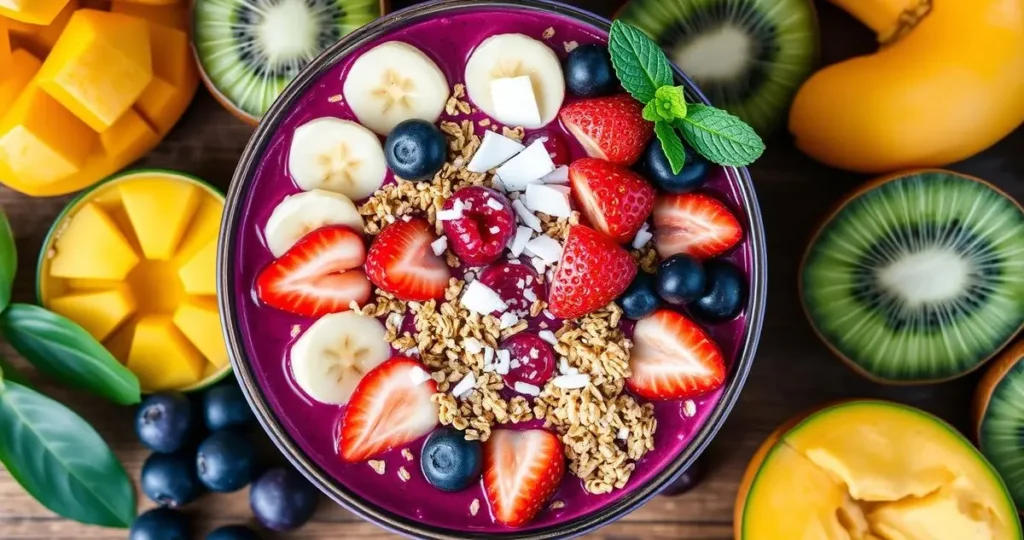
672 145
668 105
720 137
639 62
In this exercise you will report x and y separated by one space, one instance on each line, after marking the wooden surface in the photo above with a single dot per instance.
793 370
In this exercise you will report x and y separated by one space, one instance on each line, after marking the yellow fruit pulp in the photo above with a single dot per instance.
32 11
134 262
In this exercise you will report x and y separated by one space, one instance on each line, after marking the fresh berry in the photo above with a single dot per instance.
225 461
487 223
511 280
522 469
641 298
160 524
233 532
589 72
165 421
225 407
450 462
685 482
724 293
695 224
615 200
693 176
681 279
320 274
402 262
390 407
610 128
554 144
282 499
673 358
415 150
592 272
532 361
170 479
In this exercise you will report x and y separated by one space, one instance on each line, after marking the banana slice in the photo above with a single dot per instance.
507 56
392 82
302 213
331 356
337 155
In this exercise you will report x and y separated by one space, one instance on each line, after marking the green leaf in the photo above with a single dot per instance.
61 461
65 351
639 62
8 260
672 145
720 137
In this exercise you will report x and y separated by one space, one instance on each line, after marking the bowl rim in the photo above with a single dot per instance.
229 233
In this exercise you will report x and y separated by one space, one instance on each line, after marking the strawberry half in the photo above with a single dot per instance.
695 224
610 128
320 274
593 270
402 262
390 407
673 358
522 469
614 199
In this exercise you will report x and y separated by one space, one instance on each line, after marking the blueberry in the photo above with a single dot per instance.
689 479
225 461
164 421
159 524
170 479
640 299
416 149
724 293
225 407
233 532
449 461
589 72
681 279
659 171
283 500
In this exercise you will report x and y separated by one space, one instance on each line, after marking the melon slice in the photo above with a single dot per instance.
171 15
129 136
199 274
32 11
16 76
199 320
40 38
160 210
100 312
90 232
161 357
950 513
174 78
99 66
205 225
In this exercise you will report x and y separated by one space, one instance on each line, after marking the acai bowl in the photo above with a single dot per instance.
451 354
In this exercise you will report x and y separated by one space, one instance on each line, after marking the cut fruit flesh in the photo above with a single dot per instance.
17 74
99 313
911 279
31 11
199 321
161 357
999 418
159 210
90 231
37 38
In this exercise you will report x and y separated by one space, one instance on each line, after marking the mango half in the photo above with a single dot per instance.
133 261
872 470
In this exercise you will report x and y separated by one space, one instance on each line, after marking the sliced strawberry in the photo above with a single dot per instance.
611 128
522 469
390 407
673 358
614 199
320 274
402 262
593 270
695 224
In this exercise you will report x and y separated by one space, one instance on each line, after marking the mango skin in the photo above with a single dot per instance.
948 89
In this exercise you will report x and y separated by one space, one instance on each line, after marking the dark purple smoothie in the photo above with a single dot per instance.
268 333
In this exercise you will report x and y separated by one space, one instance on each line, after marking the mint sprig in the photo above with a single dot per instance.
645 72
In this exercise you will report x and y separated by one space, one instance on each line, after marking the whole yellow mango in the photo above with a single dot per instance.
947 82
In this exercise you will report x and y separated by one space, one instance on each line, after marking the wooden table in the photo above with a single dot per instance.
793 370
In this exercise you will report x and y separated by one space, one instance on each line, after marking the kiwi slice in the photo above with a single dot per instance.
747 56
918 277
999 418
249 50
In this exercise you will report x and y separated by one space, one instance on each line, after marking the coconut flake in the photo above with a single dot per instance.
488 358
643 236
548 199
525 216
549 336
538 264
546 248
504 362
495 203
528 167
508 320
529 295
480 298
472 345
570 382
494 150
439 245
623 434
558 176
523 235
465 386
418 375
453 214
527 389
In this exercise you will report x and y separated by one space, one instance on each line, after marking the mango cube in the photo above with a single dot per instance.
199 320
171 15
5 47
92 247
16 76
40 38
99 66
161 357
199 274
32 11
172 65
99 312
160 211
204 226
129 136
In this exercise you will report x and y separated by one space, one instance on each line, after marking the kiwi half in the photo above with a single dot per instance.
249 50
999 418
747 56
917 277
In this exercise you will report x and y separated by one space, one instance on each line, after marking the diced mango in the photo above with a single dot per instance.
161 357
16 76
171 15
100 312
100 66
199 320
129 136
205 225
199 275
41 38
5 48
32 11
174 78
41 141
157 2
120 342
160 210
92 247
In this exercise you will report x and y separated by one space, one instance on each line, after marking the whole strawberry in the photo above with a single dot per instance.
593 271
615 200
610 128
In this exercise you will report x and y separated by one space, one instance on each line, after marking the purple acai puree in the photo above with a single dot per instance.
268 333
